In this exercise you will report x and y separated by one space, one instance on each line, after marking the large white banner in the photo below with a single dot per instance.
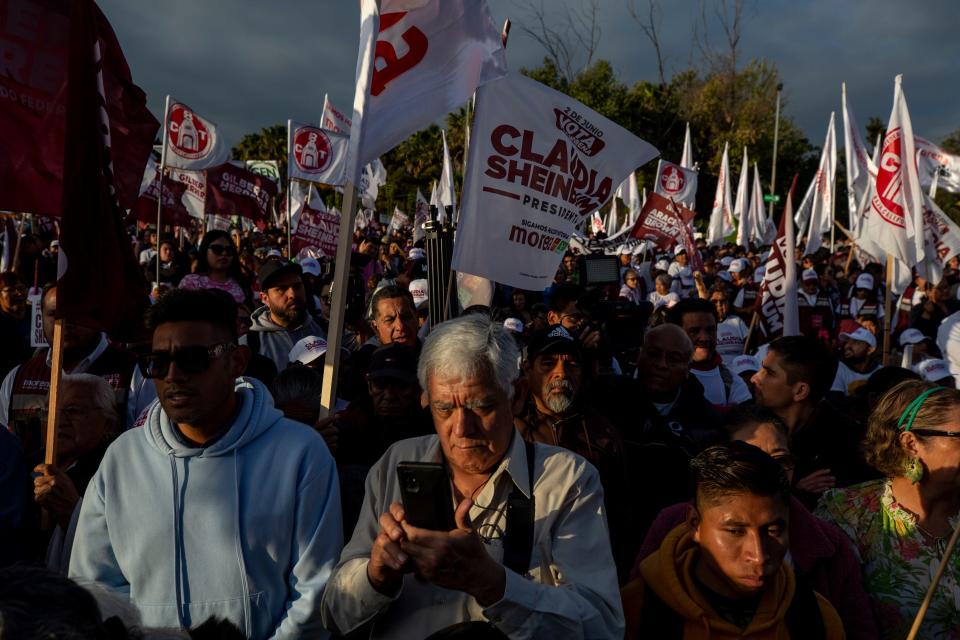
933 159
817 206
721 217
540 163
191 141
418 61
941 237
675 183
315 154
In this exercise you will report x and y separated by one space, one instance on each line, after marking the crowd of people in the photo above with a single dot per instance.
632 459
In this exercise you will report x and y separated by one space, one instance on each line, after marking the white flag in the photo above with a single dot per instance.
676 183
191 141
540 163
417 62
721 218
742 201
778 293
764 231
628 192
894 221
397 221
333 119
817 205
420 217
859 164
435 203
315 154
747 229
686 159
933 161
941 240
445 190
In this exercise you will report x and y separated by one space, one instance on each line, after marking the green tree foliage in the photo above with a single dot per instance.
267 144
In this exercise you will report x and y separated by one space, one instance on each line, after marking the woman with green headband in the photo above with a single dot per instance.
901 525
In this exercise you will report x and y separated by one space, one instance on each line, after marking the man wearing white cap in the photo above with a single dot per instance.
680 271
814 307
862 302
936 371
857 363
747 290
419 290
914 346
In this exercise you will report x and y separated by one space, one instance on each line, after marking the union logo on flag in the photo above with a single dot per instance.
188 134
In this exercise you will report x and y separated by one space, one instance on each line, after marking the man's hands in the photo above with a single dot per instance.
327 427
450 559
54 491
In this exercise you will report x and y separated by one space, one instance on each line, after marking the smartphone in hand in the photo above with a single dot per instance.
426 494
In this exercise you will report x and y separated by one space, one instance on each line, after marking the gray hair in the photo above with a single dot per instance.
103 395
469 346
296 382
665 280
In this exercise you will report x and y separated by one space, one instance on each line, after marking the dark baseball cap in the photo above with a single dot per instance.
273 269
395 360
552 339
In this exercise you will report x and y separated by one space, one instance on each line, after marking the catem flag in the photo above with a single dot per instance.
540 163
676 183
95 252
816 210
191 141
777 300
33 113
721 217
894 221
417 61
315 154
934 161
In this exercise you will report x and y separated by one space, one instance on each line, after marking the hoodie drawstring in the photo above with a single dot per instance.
239 547
176 538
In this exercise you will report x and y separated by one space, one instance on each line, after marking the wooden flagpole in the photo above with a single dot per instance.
163 165
53 403
944 561
887 307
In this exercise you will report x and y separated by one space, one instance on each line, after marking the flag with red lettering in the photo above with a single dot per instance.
191 141
33 108
894 220
934 161
315 154
540 163
333 119
777 300
941 241
184 196
314 227
234 191
417 62
96 258
660 222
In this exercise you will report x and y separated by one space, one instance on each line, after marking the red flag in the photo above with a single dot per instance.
33 110
777 301
662 222
100 283
233 191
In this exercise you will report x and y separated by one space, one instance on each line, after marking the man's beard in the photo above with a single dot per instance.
290 316
559 402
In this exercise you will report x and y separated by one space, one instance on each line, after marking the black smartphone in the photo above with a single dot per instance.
427 499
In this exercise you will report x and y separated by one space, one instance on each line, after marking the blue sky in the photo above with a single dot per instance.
246 65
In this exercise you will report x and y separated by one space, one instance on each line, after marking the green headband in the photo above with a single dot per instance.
914 407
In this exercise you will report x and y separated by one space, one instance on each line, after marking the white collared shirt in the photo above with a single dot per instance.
569 592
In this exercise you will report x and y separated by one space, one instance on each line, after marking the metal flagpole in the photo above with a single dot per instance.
773 170
163 164
289 190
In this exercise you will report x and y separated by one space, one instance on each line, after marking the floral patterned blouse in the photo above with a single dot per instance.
898 560
203 281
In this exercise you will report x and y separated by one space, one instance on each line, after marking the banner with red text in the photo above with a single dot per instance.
777 300
539 164
232 191
184 196
315 227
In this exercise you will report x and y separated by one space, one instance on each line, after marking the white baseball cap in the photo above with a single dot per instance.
863 335
725 275
810 275
736 266
513 324
419 290
911 336
662 265
743 364
311 266
416 254
933 369
308 349
274 253
864 281
677 250
726 261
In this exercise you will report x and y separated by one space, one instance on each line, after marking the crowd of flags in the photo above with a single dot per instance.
529 188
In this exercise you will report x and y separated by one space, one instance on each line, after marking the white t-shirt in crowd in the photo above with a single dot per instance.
716 392
848 380
731 336
147 255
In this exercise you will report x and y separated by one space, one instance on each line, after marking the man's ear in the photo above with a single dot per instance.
263 297
801 391
553 317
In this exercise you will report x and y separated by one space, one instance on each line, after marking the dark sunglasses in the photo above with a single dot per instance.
936 432
222 249
188 359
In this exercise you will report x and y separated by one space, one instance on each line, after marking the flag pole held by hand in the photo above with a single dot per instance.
944 562
53 402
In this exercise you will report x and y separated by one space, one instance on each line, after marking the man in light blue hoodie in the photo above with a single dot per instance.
218 505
